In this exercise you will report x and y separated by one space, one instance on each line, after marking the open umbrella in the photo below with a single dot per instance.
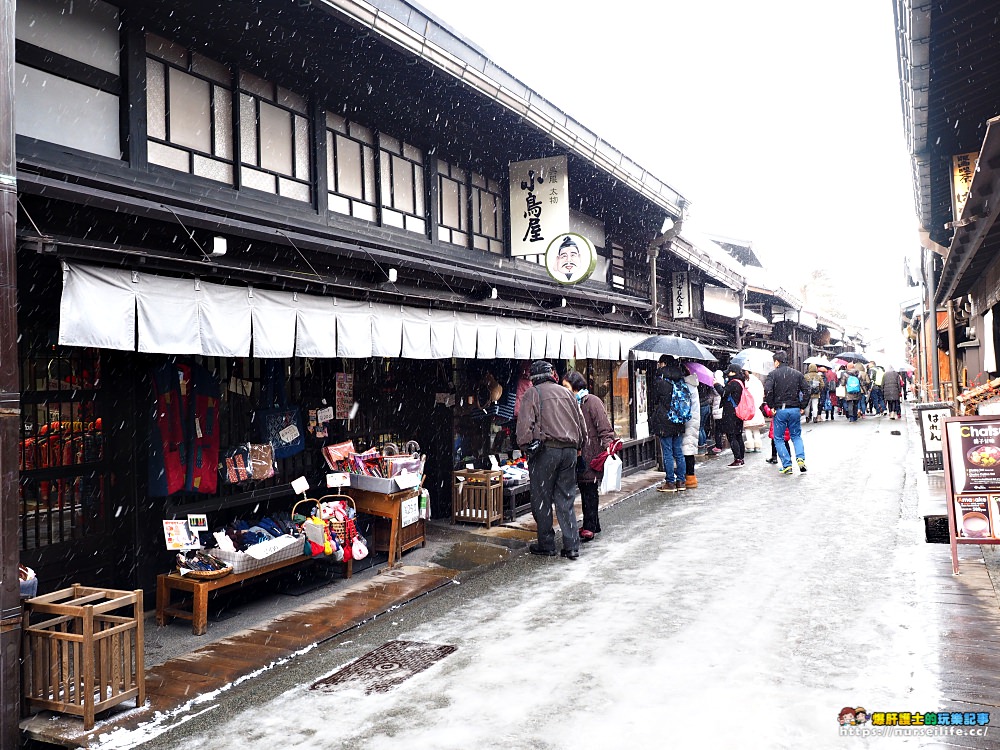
818 360
760 361
703 374
837 363
853 357
676 346
907 367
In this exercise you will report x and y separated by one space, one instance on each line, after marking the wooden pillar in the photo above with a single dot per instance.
953 354
10 398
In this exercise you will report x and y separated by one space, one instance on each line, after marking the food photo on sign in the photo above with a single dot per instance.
974 450
973 515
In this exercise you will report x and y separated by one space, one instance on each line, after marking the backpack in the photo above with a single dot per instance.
853 384
680 403
815 386
746 407
879 376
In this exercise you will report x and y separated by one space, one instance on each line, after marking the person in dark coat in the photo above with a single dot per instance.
600 433
669 375
891 392
731 424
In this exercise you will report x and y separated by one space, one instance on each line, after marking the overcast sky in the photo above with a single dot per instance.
779 120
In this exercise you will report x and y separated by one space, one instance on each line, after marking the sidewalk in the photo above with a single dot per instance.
184 673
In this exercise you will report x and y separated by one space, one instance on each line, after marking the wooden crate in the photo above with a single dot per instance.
83 651
477 496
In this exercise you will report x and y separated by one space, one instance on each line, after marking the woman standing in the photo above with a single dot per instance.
600 433
753 429
732 424
692 429
891 391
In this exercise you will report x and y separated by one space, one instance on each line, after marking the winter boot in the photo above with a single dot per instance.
691 482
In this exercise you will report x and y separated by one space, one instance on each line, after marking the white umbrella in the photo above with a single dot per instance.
819 361
760 361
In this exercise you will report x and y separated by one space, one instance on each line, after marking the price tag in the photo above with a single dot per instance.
324 415
338 479
198 522
409 511
290 434
300 486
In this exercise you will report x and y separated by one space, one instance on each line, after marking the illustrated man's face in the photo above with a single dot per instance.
568 259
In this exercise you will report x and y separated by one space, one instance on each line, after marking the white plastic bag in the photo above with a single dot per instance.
612 479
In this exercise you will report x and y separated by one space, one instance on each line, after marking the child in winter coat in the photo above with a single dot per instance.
769 413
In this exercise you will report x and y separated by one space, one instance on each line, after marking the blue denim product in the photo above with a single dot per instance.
673 458
791 420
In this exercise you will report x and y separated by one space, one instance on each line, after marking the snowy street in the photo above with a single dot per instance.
747 612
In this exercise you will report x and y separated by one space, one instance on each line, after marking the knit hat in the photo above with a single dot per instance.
541 371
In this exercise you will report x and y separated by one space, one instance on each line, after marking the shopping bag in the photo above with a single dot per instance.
282 428
597 462
612 479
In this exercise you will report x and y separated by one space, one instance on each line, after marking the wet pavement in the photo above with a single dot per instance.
799 595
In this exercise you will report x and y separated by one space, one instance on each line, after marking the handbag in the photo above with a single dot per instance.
611 480
841 391
277 423
597 462
261 460
234 466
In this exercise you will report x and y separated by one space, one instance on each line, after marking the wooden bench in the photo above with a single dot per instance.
199 590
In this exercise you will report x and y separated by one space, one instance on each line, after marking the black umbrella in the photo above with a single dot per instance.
853 357
676 346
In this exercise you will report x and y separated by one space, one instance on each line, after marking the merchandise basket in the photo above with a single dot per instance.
337 527
208 575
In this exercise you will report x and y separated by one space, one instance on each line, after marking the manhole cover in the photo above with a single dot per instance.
390 664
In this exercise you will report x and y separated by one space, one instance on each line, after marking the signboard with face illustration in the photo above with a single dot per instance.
972 480
539 204
570 258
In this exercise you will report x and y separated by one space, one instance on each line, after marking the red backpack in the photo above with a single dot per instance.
746 408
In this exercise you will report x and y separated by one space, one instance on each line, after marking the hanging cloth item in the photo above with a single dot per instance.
277 423
184 435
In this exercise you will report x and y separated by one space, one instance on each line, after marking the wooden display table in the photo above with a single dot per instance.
390 507
200 589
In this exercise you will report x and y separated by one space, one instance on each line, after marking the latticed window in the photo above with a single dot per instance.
65 478
453 204
487 214
274 139
402 184
350 167
189 109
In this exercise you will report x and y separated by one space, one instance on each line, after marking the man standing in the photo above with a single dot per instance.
787 392
668 420
550 415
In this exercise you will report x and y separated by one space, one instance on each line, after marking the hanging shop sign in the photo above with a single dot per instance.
539 204
963 169
972 480
570 258
680 294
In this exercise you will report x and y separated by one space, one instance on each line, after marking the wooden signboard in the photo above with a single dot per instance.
972 481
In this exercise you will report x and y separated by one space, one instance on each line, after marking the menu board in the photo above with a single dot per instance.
974 450
971 454
974 515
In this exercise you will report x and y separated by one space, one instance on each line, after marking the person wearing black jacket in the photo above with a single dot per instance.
787 392
668 376
731 424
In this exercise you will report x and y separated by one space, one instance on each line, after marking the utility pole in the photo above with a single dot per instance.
10 399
